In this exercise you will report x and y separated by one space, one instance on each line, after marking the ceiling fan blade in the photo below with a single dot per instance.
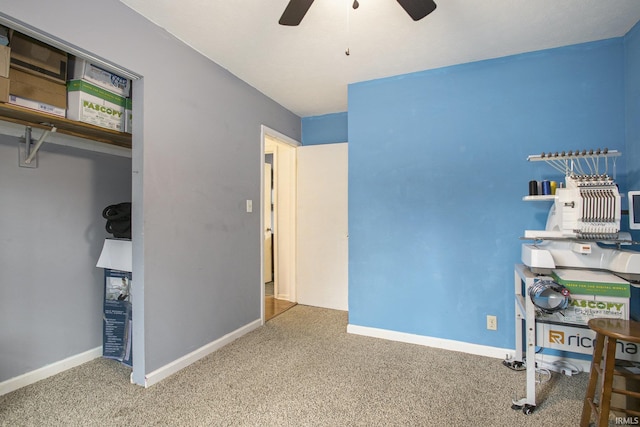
294 12
417 9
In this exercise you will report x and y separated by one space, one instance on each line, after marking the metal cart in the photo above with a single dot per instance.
525 321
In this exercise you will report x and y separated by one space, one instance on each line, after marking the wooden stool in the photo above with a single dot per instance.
608 331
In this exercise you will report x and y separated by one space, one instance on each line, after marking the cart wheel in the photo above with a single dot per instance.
528 409
516 407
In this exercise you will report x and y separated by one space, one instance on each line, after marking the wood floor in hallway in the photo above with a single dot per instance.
273 307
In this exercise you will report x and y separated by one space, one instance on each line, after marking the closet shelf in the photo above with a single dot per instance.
24 116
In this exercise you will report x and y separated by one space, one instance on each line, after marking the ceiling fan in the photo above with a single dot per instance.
296 9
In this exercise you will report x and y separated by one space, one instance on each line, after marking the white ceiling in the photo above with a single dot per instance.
306 70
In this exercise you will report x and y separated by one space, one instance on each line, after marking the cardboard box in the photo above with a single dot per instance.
583 308
592 282
5 58
4 89
579 339
36 57
81 69
95 105
37 106
36 88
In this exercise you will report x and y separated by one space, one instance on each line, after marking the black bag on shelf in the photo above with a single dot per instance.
118 218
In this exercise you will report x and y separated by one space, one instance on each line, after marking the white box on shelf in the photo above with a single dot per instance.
37 106
95 105
81 69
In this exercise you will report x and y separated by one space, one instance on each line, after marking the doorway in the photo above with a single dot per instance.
278 219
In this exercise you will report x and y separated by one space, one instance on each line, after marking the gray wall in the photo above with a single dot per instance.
51 234
196 159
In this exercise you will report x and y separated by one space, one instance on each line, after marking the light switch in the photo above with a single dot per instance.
249 205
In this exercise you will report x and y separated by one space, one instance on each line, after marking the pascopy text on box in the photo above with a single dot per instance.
95 105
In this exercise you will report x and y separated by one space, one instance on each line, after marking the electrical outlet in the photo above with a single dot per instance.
492 323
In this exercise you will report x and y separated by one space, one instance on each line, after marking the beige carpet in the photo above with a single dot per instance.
301 369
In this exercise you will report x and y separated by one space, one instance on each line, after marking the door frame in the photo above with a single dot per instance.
284 243
267 208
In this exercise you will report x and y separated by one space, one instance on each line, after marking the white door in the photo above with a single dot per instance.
322 226
268 231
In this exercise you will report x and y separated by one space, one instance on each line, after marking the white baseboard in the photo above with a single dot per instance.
445 344
186 360
554 363
48 370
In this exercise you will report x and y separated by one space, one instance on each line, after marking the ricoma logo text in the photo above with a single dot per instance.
577 340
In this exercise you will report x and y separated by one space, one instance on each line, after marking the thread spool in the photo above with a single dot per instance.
546 188
533 188
554 187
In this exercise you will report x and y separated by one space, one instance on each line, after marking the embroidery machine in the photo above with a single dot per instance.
585 215
582 233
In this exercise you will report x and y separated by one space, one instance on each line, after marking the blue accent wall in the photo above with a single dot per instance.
325 129
437 171
632 102
632 98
